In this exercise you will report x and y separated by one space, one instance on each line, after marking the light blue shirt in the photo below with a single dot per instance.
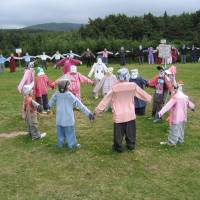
65 102
2 60
27 58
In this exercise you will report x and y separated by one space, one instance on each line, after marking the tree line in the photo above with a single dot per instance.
111 32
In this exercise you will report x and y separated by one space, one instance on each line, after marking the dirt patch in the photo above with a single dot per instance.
12 134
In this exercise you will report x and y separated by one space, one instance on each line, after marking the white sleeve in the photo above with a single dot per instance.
91 71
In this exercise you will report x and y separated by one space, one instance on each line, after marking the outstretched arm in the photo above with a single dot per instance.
191 105
75 62
62 62
74 54
78 104
91 71
104 102
141 94
48 57
167 106
109 52
152 82
84 79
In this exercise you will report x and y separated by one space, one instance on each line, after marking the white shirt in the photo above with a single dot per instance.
57 56
99 70
43 57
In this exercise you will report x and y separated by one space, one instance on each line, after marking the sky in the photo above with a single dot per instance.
21 13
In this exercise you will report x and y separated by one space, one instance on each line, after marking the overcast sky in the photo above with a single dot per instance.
20 13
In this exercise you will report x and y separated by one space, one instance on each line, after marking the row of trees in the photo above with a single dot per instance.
184 27
111 32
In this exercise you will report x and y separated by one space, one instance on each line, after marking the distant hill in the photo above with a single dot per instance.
54 27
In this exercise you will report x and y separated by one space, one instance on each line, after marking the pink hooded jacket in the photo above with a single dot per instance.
27 79
75 84
67 63
178 105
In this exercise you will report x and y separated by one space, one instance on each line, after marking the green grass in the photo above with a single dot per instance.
40 171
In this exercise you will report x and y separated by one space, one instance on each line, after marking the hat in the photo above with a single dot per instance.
179 86
26 90
31 65
180 82
99 61
123 74
134 73
110 69
73 69
40 71
63 85
160 68
172 69
168 72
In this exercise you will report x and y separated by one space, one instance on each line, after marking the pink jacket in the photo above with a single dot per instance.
178 105
121 97
106 84
67 63
76 80
105 53
28 78
41 85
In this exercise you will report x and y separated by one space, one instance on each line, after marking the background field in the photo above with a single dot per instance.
39 170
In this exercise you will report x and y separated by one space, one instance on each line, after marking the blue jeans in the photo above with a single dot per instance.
66 134
183 58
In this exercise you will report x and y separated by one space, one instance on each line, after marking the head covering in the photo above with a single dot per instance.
180 85
109 71
26 90
31 65
123 74
63 84
73 69
40 71
172 69
71 55
168 72
160 68
134 73
99 61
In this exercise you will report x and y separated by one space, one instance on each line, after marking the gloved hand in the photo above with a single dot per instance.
158 115
91 116
39 108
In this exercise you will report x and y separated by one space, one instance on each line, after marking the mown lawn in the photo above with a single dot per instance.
40 171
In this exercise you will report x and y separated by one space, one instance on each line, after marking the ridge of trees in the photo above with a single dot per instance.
111 32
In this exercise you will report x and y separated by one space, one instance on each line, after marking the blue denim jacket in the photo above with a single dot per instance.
65 102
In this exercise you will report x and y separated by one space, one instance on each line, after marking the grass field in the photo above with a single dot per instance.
40 171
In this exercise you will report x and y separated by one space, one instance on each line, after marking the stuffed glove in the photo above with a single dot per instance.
39 108
91 116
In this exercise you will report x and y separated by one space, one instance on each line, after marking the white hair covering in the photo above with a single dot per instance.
123 74
26 90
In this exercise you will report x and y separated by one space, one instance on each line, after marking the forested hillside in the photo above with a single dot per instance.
111 32
54 27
